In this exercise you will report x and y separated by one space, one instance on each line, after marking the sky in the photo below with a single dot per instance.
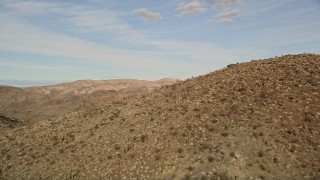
44 42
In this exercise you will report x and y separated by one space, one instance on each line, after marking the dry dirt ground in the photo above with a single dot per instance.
255 120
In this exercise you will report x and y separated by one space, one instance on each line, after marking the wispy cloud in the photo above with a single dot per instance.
95 20
190 9
148 15
108 35
226 16
30 65
30 39
224 3
31 7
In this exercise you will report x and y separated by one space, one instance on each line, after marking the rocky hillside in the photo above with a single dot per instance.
36 103
255 120
91 86
6 122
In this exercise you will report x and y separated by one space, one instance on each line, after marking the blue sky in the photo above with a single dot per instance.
45 41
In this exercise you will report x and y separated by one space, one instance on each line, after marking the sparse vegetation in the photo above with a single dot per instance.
247 121
260 154
180 150
210 158
224 134
157 157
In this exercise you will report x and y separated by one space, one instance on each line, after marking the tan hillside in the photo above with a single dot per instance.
255 120
6 122
35 103
90 86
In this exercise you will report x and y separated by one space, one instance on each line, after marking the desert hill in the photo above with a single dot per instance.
6 122
90 86
254 120
35 103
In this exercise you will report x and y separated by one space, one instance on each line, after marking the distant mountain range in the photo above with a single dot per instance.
41 102
27 83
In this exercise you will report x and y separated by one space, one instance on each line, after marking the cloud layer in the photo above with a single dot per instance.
28 38
190 9
226 16
108 39
148 15
224 3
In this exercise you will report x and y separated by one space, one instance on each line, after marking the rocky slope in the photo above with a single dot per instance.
6 122
255 120
91 86
35 103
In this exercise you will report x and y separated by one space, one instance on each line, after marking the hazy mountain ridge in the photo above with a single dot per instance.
90 86
255 120
33 103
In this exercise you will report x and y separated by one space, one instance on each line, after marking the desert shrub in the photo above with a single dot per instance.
190 168
117 147
210 158
157 150
224 134
157 157
143 137
196 109
232 154
309 117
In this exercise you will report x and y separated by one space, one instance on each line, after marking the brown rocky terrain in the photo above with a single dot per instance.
35 103
255 120
6 122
